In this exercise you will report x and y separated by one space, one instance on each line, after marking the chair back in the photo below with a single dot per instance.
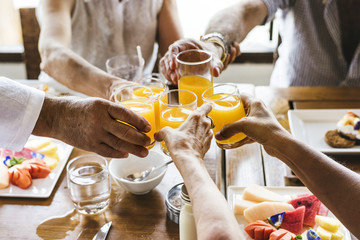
30 33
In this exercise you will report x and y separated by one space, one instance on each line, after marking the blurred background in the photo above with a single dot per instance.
18 34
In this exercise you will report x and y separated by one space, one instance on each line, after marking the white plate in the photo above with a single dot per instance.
310 127
235 192
42 187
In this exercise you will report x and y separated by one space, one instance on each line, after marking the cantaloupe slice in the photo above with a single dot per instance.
258 193
262 211
241 205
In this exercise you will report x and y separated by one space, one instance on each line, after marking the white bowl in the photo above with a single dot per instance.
122 167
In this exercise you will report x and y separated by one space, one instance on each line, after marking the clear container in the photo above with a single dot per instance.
187 227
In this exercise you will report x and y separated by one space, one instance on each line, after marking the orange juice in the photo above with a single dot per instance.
145 108
142 92
195 84
173 117
226 109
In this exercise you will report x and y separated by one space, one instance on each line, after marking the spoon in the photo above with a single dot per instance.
140 176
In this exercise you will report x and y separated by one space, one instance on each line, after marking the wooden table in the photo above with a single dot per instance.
132 216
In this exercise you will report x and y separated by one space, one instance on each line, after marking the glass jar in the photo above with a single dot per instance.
187 228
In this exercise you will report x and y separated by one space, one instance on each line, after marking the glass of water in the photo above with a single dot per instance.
128 67
89 183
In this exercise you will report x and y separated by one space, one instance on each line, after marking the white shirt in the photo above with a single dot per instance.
20 107
310 53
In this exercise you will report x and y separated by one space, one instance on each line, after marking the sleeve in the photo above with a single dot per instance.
274 5
20 107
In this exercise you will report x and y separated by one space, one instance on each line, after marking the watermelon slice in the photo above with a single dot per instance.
312 206
323 210
293 220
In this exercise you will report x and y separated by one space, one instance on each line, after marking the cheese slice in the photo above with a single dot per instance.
4 176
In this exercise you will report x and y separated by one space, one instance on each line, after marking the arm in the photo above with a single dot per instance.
57 58
188 145
169 27
234 23
335 185
91 124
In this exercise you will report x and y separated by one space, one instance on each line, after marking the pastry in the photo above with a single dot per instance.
334 139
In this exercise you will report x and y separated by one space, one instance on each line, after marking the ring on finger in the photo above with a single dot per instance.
212 122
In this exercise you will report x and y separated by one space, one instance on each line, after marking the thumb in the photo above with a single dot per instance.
230 130
216 67
162 134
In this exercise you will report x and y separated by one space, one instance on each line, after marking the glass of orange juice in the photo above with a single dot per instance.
139 99
173 112
194 71
227 108
158 87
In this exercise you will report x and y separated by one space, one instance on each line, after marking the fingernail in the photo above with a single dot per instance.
147 128
144 152
218 136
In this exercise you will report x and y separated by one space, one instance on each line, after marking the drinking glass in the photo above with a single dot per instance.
139 99
227 108
89 183
128 67
173 112
158 87
194 71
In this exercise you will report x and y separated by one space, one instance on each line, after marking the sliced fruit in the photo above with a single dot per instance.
241 205
51 162
254 229
312 206
258 193
324 235
328 223
262 211
293 220
49 150
337 236
37 144
323 210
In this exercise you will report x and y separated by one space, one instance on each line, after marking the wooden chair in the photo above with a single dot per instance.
30 32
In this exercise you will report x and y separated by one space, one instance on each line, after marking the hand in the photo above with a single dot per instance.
168 64
259 125
91 124
193 137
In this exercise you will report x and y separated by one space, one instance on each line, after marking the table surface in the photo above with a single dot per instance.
144 217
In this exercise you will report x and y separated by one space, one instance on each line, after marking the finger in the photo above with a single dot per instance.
174 77
205 109
161 135
127 133
217 67
124 146
106 151
230 130
126 115
239 144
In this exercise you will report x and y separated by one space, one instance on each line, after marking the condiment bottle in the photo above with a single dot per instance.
187 228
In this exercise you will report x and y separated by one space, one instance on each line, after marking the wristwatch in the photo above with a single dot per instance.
217 39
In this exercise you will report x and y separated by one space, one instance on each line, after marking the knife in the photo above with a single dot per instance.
102 233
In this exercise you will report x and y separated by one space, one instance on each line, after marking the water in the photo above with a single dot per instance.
90 188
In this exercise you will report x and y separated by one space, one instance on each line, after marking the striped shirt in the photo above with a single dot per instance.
311 52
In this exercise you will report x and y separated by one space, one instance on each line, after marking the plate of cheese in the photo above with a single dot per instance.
287 211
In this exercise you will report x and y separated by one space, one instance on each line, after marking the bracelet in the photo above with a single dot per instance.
218 39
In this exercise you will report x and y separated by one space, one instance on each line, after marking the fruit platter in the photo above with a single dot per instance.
283 213
33 171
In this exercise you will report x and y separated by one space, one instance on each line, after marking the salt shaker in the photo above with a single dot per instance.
187 228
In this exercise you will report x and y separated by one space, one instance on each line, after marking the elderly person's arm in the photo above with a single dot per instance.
335 185
63 64
188 145
233 23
